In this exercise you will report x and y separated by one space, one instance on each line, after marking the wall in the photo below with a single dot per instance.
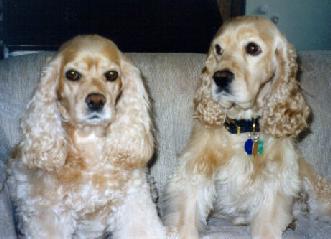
306 23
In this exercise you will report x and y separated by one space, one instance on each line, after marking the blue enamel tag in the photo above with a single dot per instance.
249 146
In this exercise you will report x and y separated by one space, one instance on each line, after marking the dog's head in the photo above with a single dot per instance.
89 83
251 66
89 80
242 57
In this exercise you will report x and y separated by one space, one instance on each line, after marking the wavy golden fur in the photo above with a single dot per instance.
250 72
44 143
80 169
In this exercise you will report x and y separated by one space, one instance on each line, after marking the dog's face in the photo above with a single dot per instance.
241 59
90 80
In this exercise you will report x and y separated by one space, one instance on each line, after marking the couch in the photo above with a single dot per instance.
171 79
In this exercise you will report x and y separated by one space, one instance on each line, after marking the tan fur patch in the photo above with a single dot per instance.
206 164
74 164
274 155
71 172
112 53
99 85
99 180
126 163
91 62
210 155
321 187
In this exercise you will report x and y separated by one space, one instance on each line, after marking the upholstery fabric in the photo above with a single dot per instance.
172 79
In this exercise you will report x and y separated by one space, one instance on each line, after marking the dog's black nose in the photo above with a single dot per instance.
95 101
223 79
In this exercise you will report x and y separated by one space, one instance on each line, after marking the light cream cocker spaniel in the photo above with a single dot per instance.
241 159
80 169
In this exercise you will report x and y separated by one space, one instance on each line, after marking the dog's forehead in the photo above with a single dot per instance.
90 49
91 59
246 28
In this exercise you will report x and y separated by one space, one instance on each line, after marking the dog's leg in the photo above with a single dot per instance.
189 201
318 189
272 218
93 225
191 190
51 223
137 217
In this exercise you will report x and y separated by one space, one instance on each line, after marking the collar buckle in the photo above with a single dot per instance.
242 125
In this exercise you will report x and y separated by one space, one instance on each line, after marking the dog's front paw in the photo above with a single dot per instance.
266 235
240 221
172 233
186 234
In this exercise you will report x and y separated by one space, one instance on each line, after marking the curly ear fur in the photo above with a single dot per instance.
130 141
44 142
205 108
286 112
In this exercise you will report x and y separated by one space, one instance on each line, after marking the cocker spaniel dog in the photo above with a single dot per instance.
241 159
80 169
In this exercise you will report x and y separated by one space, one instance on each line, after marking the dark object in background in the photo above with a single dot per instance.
135 25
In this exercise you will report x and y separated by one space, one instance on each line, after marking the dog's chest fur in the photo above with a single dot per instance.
244 183
98 182
90 147
87 185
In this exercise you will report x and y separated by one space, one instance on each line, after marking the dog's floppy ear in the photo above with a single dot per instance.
130 141
44 142
206 110
286 112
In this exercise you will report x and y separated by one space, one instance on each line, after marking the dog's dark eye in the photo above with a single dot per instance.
253 49
73 75
218 49
111 75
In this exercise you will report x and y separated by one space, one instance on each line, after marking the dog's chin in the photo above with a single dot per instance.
226 104
95 119
224 99
228 101
229 104
245 105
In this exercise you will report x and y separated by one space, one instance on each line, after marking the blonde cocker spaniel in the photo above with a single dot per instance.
241 159
80 169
